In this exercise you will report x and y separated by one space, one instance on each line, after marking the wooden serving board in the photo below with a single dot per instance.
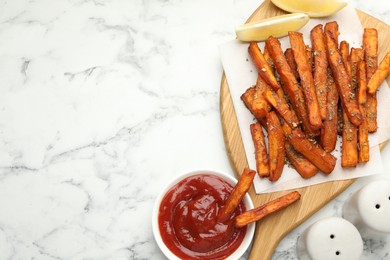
271 230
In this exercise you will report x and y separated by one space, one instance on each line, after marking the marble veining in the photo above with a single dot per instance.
102 103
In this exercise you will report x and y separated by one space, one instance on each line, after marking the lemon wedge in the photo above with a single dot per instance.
277 26
314 8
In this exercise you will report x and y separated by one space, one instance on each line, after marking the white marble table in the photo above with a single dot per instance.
101 103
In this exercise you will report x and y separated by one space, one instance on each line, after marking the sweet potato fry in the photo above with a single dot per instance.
260 105
320 67
262 66
248 97
329 129
323 160
380 74
281 105
276 149
261 156
255 102
332 28
370 48
309 56
343 81
238 192
361 90
357 55
290 84
364 147
307 82
267 209
349 152
289 54
344 51
269 60
305 168
371 109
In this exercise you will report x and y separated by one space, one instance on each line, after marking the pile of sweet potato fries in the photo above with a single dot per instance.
305 96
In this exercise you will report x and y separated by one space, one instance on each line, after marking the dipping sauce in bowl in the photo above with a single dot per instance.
187 218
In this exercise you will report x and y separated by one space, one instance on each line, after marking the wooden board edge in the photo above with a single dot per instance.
226 111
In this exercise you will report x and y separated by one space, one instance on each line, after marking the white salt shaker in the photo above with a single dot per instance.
330 238
369 209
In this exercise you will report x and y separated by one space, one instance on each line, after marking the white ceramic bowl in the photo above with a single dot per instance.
247 201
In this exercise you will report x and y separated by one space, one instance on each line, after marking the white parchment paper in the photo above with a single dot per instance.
242 74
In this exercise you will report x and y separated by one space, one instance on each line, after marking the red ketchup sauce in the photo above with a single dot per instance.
188 219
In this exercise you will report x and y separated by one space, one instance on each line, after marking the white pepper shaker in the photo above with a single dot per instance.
330 238
369 209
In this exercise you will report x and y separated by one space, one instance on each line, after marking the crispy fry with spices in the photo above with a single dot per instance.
289 54
255 102
238 192
370 48
307 82
261 156
269 60
276 150
320 67
262 65
303 166
329 129
361 82
342 79
270 207
380 75
349 150
344 51
333 29
260 104
357 55
364 147
309 56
